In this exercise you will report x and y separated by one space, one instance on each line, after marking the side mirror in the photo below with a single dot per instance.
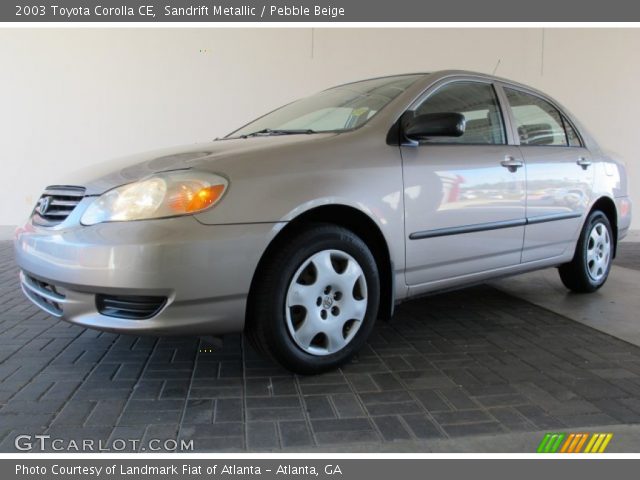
421 127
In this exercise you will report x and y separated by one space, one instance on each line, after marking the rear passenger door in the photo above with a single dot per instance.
559 174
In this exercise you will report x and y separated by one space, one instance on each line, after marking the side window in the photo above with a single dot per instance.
538 122
479 105
572 135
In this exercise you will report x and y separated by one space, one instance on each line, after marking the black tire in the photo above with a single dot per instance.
575 275
267 326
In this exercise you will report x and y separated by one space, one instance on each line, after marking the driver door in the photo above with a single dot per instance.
464 196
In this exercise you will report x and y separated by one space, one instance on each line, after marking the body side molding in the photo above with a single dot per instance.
482 227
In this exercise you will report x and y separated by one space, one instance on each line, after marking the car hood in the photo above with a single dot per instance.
104 176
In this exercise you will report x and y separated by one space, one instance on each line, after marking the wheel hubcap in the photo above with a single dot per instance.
326 302
598 252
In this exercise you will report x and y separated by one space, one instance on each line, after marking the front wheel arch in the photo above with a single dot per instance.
354 220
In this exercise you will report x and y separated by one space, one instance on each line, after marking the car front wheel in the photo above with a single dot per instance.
316 300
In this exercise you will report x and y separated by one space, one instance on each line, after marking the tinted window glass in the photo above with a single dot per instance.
479 105
572 135
538 122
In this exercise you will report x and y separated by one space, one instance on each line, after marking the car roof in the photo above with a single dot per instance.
441 74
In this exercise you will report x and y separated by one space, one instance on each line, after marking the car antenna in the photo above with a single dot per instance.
495 69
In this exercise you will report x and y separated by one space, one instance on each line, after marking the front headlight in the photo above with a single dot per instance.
167 194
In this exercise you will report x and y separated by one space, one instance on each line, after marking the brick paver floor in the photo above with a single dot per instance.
471 362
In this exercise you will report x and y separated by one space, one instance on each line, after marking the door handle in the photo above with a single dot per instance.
584 162
511 163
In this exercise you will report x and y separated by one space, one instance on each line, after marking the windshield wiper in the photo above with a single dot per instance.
275 131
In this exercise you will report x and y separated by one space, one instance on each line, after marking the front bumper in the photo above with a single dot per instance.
203 272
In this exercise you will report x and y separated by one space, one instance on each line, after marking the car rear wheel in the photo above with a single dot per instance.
592 260
316 300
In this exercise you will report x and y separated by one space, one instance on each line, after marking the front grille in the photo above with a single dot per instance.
43 294
56 204
129 307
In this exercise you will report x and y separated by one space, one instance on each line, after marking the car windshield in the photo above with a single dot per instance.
338 109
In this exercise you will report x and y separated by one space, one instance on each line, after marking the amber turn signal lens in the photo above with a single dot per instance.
205 197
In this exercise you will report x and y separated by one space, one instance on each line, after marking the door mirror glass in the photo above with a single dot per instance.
425 126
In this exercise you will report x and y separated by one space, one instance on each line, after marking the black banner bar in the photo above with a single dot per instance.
335 469
318 11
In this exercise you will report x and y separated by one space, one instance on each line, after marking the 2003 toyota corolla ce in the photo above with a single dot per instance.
306 225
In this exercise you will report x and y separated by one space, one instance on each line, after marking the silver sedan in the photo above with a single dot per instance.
306 225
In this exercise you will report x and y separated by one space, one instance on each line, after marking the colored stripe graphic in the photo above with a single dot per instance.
591 443
581 442
543 443
598 443
557 442
574 442
565 447
551 442
605 443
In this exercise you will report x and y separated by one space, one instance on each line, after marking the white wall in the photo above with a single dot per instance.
73 97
